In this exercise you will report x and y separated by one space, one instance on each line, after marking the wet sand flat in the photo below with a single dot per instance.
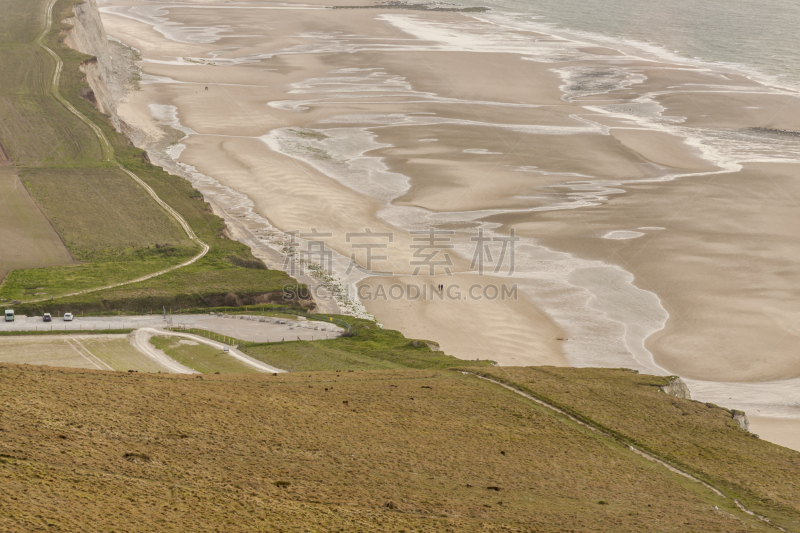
655 202
777 430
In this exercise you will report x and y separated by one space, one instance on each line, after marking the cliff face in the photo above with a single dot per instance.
677 388
740 418
89 37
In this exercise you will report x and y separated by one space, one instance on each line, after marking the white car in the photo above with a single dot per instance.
68 317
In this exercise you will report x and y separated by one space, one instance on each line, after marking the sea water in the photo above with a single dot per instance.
759 37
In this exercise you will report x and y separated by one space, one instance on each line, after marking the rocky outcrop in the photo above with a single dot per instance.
741 418
432 346
677 388
88 36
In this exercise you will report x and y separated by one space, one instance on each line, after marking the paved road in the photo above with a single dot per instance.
23 323
247 328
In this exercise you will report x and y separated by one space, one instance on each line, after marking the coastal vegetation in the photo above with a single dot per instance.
365 346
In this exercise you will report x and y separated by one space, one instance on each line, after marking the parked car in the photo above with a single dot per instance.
68 317
46 317
9 315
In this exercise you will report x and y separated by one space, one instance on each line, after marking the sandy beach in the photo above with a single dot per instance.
653 204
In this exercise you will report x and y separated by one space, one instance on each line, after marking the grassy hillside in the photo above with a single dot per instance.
107 220
27 239
702 438
35 128
419 450
103 213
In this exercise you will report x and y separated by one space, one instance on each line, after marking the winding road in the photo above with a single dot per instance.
141 341
108 155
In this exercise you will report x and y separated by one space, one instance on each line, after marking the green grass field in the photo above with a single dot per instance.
102 213
411 450
108 222
200 357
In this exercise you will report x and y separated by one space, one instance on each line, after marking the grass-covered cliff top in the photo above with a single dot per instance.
701 438
390 450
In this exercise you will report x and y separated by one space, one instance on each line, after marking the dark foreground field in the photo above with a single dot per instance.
410 450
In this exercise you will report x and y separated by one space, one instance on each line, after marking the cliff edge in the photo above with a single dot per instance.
677 388
88 36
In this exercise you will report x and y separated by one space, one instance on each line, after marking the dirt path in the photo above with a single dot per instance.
634 449
141 341
105 145
146 333
108 155
78 346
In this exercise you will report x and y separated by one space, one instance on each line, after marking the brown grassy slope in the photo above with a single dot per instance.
702 437
101 451
26 237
